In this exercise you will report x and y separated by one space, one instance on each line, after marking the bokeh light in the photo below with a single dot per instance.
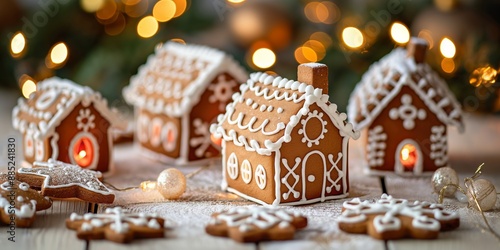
59 53
448 65
91 6
147 27
17 44
323 38
235 1
178 40
180 7
116 27
400 33
485 76
136 8
107 11
28 85
447 48
427 36
263 58
352 37
164 10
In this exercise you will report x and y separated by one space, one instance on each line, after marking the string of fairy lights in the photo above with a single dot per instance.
260 55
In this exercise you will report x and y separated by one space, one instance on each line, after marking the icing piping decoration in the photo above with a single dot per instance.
85 120
438 145
201 138
260 176
376 146
407 112
387 210
222 91
303 130
232 166
246 171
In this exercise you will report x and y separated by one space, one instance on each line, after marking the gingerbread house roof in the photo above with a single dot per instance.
385 79
53 100
176 75
261 118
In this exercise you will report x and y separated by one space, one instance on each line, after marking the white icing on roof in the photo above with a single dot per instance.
385 78
176 75
291 100
53 100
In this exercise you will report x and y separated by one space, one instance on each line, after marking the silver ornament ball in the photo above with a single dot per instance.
171 183
445 176
486 194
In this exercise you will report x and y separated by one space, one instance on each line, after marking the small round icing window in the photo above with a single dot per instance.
246 171
260 177
46 99
232 166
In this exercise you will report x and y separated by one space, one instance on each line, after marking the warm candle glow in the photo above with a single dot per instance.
83 152
447 48
263 58
148 185
17 44
215 140
408 156
352 37
400 33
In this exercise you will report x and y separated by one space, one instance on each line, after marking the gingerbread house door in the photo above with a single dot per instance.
408 157
313 175
84 150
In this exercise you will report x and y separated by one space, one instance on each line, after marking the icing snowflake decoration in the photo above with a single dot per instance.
201 137
407 112
303 131
118 220
222 91
254 217
85 120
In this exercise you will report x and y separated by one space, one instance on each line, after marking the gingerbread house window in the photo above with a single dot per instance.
155 131
83 150
232 166
260 176
39 150
29 146
143 128
246 171
169 135
408 157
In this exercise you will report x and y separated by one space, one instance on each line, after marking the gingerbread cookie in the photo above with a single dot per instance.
389 218
255 223
60 180
19 201
116 225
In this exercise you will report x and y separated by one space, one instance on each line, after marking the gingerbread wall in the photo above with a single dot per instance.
266 194
40 149
396 132
313 161
165 143
67 130
212 103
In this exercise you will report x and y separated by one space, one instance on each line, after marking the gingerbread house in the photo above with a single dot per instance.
178 92
66 122
404 107
283 142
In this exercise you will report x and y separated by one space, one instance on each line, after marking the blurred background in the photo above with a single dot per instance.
101 43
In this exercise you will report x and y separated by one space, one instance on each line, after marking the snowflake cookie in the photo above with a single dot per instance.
61 180
390 218
116 225
256 223
19 201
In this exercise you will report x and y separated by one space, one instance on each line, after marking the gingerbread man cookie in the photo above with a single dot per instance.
61 180
390 218
256 223
116 225
18 202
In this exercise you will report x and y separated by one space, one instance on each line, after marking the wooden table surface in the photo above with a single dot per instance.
188 216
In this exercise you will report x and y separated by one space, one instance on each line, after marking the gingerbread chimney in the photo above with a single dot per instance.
315 74
416 48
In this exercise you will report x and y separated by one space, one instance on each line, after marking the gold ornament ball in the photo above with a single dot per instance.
171 183
445 176
485 192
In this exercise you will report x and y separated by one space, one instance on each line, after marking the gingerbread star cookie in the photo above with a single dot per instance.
19 202
390 218
116 225
256 223
61 180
